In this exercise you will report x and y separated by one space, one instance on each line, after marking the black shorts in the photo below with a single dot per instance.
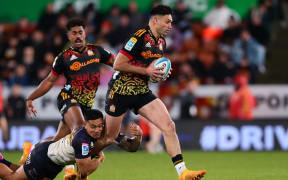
119 104
65 101
38 165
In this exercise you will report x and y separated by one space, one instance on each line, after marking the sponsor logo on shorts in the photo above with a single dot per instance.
65 95
85 149
130 44
111 94
112 108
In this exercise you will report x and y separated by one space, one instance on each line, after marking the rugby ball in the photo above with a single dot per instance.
165 64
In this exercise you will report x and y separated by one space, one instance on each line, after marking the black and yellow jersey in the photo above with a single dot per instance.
141 49
81 70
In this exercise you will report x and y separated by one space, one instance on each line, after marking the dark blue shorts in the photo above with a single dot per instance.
38 165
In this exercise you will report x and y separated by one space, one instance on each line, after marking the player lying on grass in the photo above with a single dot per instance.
122 141
48 159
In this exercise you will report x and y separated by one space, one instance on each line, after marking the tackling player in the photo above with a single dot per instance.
48 159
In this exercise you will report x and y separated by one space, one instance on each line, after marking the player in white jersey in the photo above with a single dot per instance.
49 158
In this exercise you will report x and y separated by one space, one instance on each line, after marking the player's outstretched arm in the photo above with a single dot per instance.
42 89
7 168
130 144
122 64
5 171
87 166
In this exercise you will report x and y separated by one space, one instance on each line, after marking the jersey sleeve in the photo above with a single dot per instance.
81 145
58 66
133 46
106 57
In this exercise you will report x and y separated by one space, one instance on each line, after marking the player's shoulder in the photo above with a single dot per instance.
81 133
94 47
64 53
140 32
137 36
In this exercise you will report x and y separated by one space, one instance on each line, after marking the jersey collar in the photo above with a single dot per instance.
76 50
152 35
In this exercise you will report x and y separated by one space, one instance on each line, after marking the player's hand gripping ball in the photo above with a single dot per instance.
165 64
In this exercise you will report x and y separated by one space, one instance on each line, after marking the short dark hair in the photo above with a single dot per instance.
75 22
161 10
93 114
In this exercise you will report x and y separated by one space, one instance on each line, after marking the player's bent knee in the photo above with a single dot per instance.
169 127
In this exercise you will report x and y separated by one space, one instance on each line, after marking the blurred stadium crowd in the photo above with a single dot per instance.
208 51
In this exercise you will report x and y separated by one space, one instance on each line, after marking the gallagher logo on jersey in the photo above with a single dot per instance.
85 149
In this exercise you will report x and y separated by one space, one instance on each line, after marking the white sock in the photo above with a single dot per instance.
180 167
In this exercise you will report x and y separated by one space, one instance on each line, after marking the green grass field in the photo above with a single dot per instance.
220 165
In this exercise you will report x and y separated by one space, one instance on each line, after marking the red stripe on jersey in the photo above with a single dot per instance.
110 59
54 73
126 54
